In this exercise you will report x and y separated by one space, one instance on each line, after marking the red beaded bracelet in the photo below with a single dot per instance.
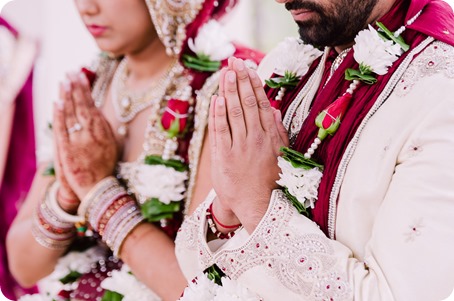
210 219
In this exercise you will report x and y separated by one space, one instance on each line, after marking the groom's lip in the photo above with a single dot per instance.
302 14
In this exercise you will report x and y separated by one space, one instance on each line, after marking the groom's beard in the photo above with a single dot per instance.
335 24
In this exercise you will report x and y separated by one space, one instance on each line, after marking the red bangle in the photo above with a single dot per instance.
219 223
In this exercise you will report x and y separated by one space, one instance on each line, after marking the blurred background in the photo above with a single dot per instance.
65 45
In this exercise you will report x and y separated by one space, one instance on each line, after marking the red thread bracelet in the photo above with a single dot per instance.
219 223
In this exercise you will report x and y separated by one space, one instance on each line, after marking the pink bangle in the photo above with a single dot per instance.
219 223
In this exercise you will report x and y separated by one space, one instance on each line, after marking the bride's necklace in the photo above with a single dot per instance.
127 103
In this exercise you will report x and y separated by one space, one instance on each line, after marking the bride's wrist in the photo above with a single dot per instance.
67 200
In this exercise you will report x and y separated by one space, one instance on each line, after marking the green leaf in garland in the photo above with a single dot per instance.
297 159
175 164
214 273
386 34
49 171
201 63
352 74
71 277
111 296
289 80
153 210
174 130
304 211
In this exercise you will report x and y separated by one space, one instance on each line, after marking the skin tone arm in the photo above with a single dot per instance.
20 242
147 250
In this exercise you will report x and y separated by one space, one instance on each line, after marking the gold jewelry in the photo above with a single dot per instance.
170 18
127 104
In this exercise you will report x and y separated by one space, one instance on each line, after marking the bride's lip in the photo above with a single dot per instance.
96 30
302 14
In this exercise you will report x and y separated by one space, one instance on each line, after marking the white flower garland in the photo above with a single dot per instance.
374 53
295 57
156 181
72 262
212 42
301 183
126 284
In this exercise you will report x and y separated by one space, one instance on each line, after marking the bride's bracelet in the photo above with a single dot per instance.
112 212
212 225
51 228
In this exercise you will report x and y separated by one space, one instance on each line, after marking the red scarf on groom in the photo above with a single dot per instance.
436 20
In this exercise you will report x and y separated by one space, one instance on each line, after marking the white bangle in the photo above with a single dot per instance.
59 212
95 192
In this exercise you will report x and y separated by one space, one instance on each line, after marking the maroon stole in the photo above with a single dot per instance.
332 148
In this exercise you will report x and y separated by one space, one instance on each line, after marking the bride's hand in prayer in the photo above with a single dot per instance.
85 141
66 197
246 134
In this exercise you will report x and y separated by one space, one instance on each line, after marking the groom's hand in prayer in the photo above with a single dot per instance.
246 134
85 142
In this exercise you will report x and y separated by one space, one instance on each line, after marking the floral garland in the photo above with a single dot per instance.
375 51
161 198
291 66
214 285
211 46
64 279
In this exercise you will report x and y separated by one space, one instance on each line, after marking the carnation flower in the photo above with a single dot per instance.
126 284
75 261
212 43
373 53
295 57
160 182
34 297
300 183
232 290
200 289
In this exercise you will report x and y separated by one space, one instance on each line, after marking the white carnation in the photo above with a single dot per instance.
78 261
212 42
372 51
301 183
159 181
200 289
126 284
295 57
34 297
73 261
232 290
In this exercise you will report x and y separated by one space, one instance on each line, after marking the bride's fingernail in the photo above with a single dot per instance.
220 101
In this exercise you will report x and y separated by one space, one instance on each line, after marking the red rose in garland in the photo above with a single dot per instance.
175 117
329 119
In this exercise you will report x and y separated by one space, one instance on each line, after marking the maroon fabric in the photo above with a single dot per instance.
19 172
332 149
437 19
